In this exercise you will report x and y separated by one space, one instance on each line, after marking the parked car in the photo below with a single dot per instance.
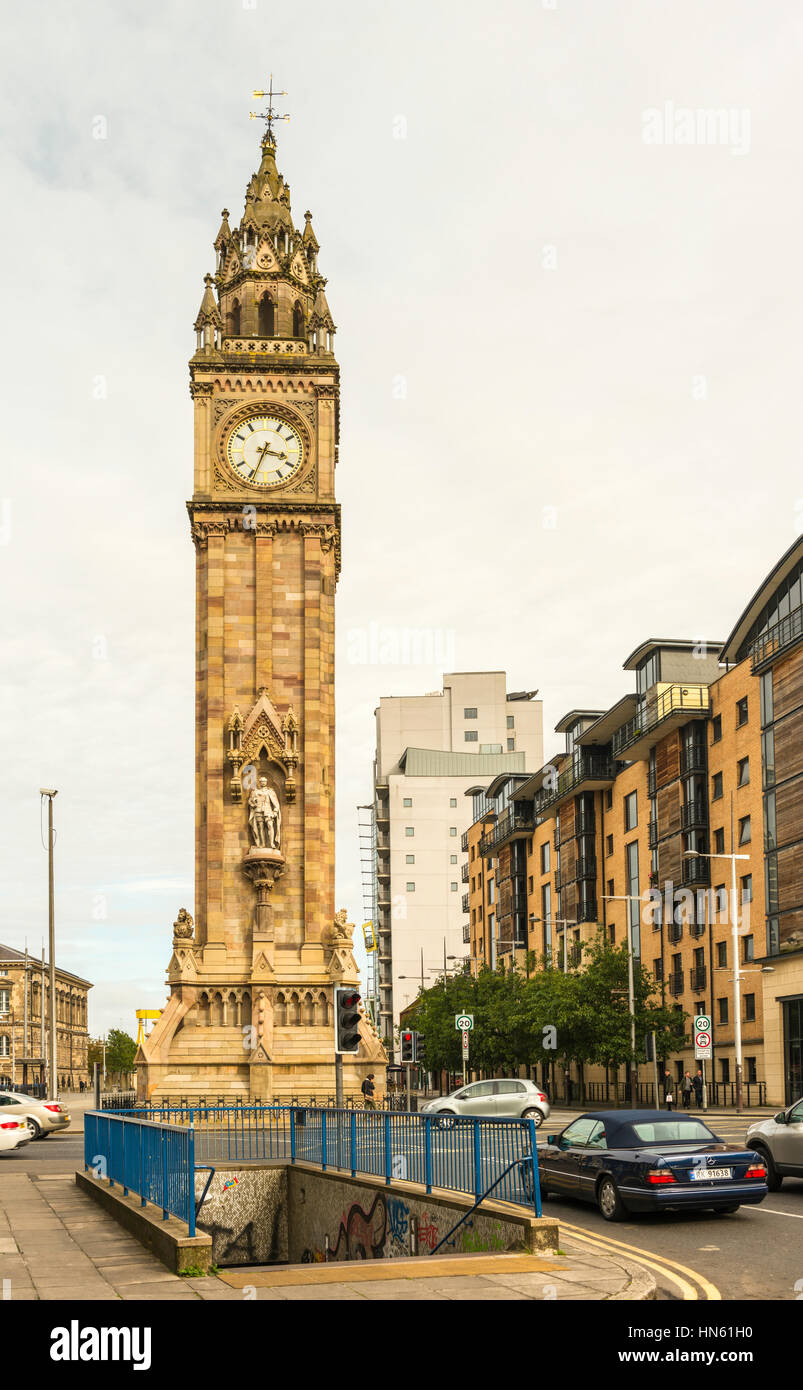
41 1116
13 1134
779 1142
648 1160
503 1099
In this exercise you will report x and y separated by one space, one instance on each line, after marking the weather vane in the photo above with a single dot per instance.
270 115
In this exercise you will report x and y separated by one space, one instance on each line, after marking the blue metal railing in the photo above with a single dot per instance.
145 1156
458 1154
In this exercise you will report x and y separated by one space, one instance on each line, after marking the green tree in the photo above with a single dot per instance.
121 1050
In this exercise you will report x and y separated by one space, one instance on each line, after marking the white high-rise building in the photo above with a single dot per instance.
431 750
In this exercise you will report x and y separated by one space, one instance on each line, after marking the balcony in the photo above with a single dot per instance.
513 824
674 931
588 772
675 984
694 815
697 928
777 639
382 812
465 902
558 878
692 758
652 834
585 867
464 873
652 783
695 871
675 705
587 912
697 977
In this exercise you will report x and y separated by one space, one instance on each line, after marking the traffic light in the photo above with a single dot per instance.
347 1019
420 1048
408 1047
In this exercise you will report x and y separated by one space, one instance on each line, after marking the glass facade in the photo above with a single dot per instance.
785 600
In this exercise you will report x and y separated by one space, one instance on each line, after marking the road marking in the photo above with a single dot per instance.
796 1216
666 1265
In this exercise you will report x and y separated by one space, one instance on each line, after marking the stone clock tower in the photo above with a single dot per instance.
250 1012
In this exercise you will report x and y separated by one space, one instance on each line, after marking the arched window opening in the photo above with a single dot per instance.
298 320
266 317
233 320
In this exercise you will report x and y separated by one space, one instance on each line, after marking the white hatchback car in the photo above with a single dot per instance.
42 1117
13 1134
501 1099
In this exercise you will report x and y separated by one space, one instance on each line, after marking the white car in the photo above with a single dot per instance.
506 1098
41 1116
13 1134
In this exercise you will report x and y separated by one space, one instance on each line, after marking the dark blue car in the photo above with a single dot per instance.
648 1160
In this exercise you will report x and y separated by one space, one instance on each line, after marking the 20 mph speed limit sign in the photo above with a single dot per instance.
702 1038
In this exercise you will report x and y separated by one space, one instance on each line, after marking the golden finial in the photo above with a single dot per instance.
270 115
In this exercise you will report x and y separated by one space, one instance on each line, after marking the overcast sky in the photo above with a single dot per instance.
568 311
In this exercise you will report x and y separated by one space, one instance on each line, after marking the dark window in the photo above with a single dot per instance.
298 321
747 888
470 713
722 1005
471 735
722 953
631 811
750 1069
266 317
748 949
511 723
724 1066
744 771
511 744
545 860
716 732
765 692
719 841
749 1008
609 845
610 887
744 830
608 799
741 711
768 757
716 789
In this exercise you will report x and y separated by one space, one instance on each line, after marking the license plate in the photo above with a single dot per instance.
711 1174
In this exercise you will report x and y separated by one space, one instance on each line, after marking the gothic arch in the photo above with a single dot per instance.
280 1010
267 317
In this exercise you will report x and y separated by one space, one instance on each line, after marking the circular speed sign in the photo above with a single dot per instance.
464 1022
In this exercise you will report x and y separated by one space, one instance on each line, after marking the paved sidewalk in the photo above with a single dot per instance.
56 1243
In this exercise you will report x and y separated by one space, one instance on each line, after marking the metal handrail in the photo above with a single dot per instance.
532 1161
675 698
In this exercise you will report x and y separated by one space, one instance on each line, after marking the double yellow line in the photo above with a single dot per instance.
692 1285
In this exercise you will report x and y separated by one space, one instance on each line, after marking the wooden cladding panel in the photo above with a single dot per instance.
669 804
787 684
667 758
790 877
789 812
789 747
669 861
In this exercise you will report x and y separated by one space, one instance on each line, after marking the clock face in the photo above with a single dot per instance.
264 450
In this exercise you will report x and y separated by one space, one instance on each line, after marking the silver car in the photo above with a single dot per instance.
42 1117
492 1100
779 1142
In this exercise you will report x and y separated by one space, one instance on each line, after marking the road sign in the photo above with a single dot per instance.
465 1043
464 1022
703 1038
702 1023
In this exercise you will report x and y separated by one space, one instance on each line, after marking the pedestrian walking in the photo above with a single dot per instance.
367 1089
669 1091
687 1090
698 1087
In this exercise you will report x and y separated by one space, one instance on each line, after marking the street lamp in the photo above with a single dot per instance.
737 993
630 898
53 1079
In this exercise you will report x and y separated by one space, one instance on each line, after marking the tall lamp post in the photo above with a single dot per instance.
631 996
737 974
53 1079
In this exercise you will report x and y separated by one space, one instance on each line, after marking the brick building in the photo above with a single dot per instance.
24 1035
703 760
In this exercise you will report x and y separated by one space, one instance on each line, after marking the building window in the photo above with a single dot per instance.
716 728
511 745
744 771
744 830
545 859
719 841
411 888
471 735
631 811
491 891
470 713
766 700
453 802
608 799
658 969
452 858
749 1008
530 884
511 723
722 1005
408 801
768 757
722 953
409 859
749 949
454 887
5 1001
716 786
452 829
409 830
747 888
750 1069
699 1007
529 846
609 844
741 711
724 1069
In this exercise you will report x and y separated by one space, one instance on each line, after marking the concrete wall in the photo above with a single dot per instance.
300 1215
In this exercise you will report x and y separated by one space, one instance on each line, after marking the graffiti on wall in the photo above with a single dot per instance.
389 1229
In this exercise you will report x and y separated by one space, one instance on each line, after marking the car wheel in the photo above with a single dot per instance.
609 1202
726 1211
536 1116
33 1126
774 1178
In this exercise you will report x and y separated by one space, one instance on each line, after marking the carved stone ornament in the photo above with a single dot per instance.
264 733
183 926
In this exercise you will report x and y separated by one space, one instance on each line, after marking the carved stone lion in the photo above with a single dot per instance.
341 928
183 925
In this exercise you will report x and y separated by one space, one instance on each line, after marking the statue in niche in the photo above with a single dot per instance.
265 816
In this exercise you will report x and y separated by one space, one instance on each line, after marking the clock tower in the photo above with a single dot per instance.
251 1007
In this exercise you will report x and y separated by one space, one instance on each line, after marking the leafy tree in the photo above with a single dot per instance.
121 1050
